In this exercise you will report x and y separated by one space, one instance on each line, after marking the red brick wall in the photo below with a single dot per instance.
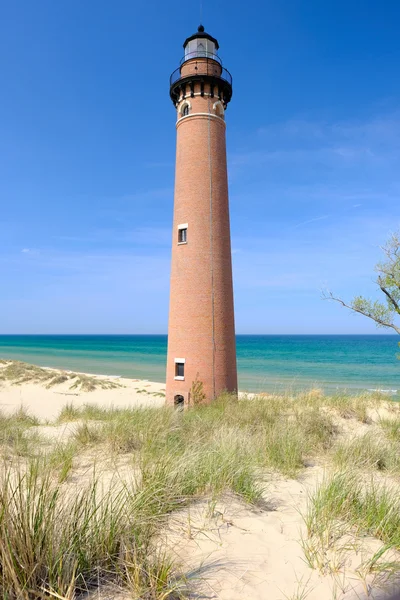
201 319
201 65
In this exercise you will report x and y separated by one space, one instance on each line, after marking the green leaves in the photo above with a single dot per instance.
385 314
381 314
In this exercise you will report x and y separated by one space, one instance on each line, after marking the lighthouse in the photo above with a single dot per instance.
201 359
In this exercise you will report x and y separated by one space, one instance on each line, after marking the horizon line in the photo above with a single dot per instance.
166 335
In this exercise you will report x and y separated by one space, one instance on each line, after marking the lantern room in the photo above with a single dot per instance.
201 68
201 45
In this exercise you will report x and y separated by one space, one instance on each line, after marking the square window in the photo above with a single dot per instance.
182 236
179 369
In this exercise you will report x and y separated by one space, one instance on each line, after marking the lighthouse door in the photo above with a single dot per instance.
179 402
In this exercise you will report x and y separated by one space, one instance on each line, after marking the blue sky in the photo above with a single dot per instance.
87 145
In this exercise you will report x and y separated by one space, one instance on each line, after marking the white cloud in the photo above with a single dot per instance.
343 143
322 218
29 251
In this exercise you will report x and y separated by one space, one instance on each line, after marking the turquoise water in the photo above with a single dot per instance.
265 362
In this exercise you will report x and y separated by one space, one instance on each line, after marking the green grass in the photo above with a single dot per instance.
86 434
60 460
340 513
368 452
69 413
391 428
17 373
86 383
89 412
17 433
278 435
284 433
21 418
345 405
344 502
62 542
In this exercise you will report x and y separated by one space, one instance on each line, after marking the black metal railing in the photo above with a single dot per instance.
205 69
201 54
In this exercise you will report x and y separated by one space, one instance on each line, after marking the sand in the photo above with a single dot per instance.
230 551
46 403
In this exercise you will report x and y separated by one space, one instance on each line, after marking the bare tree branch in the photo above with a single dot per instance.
392 300
384 314
330 296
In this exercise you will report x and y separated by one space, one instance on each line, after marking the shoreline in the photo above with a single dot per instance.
44 394
278 387
266 363
117 377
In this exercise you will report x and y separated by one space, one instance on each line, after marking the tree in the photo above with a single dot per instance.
387 313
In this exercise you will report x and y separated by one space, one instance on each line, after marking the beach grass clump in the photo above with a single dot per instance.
153 577
92 412
15 441
283 449
340 514
17 433
391 428
87 434
218 433
60 459
346 406
352 407
368 452
17 373
60 542
317 427
344 502
123 435
88 412
88 383
223 465
127 430
21 418
290 442
68 413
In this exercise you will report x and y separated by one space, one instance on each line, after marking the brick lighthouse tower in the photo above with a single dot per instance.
201 331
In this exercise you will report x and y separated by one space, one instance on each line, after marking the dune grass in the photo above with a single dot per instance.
342 511
391 428
276 434
369 451
17 373
17 433
60 460
60 540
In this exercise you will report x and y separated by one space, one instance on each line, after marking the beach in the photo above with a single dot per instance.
240 542
46 402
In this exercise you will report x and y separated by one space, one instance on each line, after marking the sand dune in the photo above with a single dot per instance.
228 549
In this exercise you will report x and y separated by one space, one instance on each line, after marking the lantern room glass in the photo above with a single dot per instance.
199 47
